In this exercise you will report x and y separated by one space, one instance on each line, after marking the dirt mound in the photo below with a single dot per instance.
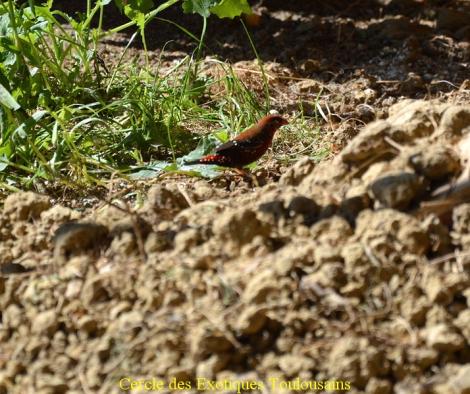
356 270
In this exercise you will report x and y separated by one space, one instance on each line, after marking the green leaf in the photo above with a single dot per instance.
141 11
231 8
5 25
136 16
151 170
222 135
3 164
140 5
201 7
23 128
205 146
7 99
136 10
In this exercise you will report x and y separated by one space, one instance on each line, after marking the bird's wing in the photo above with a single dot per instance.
228 146
233 146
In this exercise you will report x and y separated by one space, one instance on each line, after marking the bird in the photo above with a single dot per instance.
246 147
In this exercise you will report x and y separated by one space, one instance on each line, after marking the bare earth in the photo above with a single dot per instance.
354 269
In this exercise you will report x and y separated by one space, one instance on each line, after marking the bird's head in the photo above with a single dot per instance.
273 122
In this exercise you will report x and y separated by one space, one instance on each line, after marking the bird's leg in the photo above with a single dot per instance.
227 177
242 172
222 177
248 176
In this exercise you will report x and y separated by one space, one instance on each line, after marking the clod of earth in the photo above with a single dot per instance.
330 272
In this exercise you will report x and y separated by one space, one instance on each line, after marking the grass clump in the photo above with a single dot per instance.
67 117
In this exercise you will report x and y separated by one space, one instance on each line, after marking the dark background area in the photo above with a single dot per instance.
334 40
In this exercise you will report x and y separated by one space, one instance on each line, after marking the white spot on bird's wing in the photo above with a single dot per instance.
273 112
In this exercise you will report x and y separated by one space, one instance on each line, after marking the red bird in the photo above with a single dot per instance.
247 146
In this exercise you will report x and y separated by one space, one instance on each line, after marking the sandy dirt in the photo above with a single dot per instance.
355 269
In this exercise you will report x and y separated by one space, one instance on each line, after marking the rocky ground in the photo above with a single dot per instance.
354 269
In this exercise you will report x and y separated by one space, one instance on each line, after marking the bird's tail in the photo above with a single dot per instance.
190 162
209 159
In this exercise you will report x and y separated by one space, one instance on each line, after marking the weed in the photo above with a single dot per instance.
67 117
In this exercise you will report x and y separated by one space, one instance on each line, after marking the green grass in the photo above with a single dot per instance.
67 117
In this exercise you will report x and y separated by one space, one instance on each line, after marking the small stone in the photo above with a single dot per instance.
312 66
296 255
165 200
25 206
274 208
461 225
13 316
304 206
206 340
461 381
463 323
378 386
13 268
45 323
59 214
260 288
252 320
443 338
414 309
94 291
203 190
73 289
325 254
440 288
240 226
295 174
329 275
214 364
87 324
47 383
412 120
396 190
350 207
127 321
307 86
368 143
411 85
333 231
353 289
454 120
355 360
158 242
423 357
74 238
436 162
186 239
294 364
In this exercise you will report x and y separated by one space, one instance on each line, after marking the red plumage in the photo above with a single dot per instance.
246 147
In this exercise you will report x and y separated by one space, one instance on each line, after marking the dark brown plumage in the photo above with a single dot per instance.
247 146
